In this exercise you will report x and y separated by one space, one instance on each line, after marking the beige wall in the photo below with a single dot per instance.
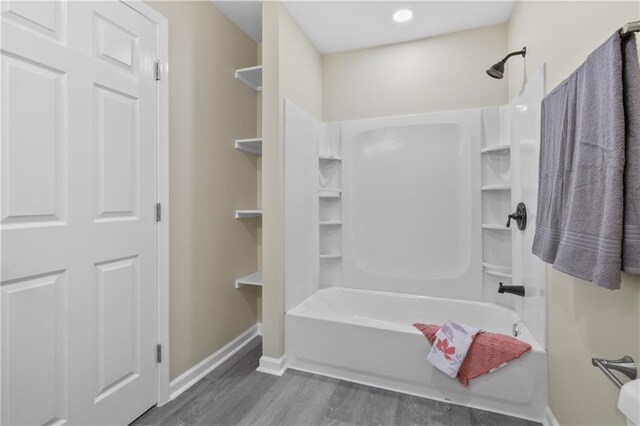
583 320
293 70
209 180
300 67
433 74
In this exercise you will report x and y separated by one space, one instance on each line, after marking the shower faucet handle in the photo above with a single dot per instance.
520 216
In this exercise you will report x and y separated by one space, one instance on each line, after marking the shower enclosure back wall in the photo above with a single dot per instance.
411 204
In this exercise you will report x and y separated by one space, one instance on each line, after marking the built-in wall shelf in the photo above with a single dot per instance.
330 158
497 268
251 76
330 255
251 279
241 214
251 217
497 274
330 207
495 161
495 227
496 188
330 193
496 149
253 145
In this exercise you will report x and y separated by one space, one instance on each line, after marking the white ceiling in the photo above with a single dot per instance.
336 26
246 14
348 25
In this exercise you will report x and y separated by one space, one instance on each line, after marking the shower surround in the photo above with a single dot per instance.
397 220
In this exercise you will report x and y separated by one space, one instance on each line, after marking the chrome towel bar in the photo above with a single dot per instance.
625 365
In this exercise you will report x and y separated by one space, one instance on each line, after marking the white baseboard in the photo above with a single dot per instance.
549 419
275 366
204 367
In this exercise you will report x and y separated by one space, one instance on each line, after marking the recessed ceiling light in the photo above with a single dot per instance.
403 15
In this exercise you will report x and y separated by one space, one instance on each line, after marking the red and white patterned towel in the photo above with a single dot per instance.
487 352
452 342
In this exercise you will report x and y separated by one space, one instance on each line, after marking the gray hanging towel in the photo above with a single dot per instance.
631 230
588 216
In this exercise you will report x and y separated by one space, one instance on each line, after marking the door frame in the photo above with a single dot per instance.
162 114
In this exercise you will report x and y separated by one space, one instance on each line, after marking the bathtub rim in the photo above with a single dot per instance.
302 310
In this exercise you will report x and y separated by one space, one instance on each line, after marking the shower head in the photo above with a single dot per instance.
497 70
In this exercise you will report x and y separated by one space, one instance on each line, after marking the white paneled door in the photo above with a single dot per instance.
78 192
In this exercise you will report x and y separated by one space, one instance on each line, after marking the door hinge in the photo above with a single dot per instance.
158 212
159 353
158 70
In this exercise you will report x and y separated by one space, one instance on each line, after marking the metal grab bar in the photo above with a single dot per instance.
625 365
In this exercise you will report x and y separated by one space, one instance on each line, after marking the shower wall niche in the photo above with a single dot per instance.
330 206
495 158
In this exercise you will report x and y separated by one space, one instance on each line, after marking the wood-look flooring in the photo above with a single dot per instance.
236 394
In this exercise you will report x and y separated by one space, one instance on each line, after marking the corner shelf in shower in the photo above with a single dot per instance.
330 222
505 270
497 274
496 188
329 158
330 193
330 255
251 76
495 227
251 279
241 214
496 149
252 145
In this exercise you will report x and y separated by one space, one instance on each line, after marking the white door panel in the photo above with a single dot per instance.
42 17
79 185
33 178
33 339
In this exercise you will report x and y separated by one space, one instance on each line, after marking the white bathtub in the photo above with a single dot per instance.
367 337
